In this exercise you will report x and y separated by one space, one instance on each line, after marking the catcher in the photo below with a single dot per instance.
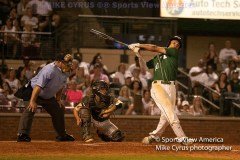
97 108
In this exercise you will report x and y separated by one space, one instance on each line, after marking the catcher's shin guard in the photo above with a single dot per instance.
86 124
117 136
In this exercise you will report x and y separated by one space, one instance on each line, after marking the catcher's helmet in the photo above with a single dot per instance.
177 38
97 86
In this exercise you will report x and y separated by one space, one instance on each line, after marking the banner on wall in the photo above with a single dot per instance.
205 9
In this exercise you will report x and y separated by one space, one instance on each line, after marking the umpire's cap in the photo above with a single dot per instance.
177 38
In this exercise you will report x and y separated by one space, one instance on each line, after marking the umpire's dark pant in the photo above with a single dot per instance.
53 108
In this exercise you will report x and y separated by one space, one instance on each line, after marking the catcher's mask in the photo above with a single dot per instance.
97 86
177 38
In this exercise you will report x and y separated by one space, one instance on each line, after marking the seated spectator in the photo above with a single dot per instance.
98 59
80 78
85 65
136 76
7 91
134 65
119 75
231 67
235 82
21 76
10 39
209 77
184 109
211 56
72 94
128 79
29 20
136 93
226 54
41 7
98 73
75 65
150 108
22 7
197 108
196 73
125 97
13 82
222 87
28 70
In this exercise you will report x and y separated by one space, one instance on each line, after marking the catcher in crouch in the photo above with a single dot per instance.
97 108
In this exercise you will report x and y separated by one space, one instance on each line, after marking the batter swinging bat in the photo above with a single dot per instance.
107 37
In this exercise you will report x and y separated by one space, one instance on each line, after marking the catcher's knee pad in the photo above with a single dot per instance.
117 136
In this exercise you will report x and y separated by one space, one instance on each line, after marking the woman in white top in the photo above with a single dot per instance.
13 82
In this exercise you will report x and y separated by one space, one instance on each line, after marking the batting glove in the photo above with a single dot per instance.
131 46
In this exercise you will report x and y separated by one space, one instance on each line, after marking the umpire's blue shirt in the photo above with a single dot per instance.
51 79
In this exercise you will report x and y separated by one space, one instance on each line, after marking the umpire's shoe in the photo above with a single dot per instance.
23 138
65 138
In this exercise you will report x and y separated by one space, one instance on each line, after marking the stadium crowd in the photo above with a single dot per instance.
218 71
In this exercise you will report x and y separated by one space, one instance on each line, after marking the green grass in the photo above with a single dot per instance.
109 157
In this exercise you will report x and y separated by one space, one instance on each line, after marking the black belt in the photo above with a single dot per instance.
164 82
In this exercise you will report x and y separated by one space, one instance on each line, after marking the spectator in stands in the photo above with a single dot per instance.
149 105
41 7
209 77
21 76
197 108
235 82
85 65
80 78
226 54
211 56
221 86
136 93
27 67
127 99
73 94
75 65
13 82
55 21
128 79
136 76
196 75
119 75
29 19
134 65
231 67
10 39
184 108
22 7
98 73
98 59
8 92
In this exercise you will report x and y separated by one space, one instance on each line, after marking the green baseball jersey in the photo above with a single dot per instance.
165 65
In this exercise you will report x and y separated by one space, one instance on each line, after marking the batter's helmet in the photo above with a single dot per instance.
177 38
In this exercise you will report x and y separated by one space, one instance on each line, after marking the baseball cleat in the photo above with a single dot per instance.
23 138
89 140
148 140
65 138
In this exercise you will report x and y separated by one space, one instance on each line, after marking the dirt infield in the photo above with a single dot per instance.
51 148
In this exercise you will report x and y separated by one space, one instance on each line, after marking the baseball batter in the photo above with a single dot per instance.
99 105
163 91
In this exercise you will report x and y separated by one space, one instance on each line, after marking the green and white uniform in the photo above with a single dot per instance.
163 90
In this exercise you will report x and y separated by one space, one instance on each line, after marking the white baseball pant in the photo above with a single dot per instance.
164 96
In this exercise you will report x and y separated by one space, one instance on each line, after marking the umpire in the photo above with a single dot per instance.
45 90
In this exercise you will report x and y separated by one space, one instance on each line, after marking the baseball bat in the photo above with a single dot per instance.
107 37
